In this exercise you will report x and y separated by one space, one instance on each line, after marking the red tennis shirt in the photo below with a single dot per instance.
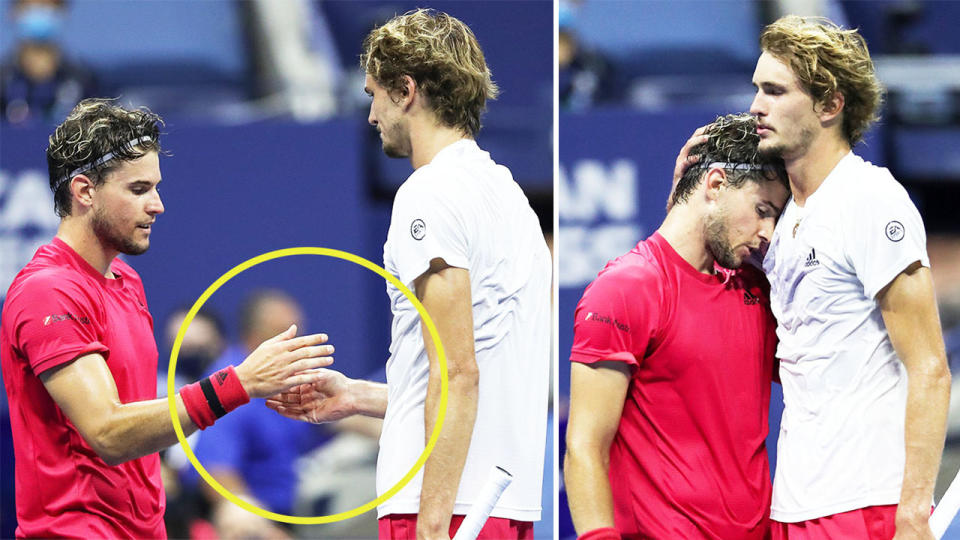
58 309
689 458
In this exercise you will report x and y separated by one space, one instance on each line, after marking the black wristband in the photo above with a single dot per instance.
213 400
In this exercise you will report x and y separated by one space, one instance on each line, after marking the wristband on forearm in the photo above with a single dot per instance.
210 398
603 533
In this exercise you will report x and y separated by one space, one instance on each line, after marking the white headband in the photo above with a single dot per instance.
106 157
747 166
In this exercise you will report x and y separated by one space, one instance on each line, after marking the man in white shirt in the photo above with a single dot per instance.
865 379
464 238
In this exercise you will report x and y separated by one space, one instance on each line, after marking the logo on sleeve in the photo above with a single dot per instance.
750 299
591 316
50 319
895 231
418 229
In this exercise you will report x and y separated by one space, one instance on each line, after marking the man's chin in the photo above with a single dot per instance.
135 249
731 264
394 152
769 148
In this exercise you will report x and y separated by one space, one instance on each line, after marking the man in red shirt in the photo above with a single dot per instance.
78 355
672 361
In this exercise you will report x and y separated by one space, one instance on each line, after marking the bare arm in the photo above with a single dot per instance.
445 293
85 391
333 396
597 394
368 398
909 312
368 426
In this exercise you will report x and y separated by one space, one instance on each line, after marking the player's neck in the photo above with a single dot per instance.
682 229
808 171
78 234
428 139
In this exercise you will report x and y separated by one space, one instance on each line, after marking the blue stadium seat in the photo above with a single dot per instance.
182 54
666 38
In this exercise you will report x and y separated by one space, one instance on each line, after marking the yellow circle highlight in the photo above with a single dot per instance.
233 272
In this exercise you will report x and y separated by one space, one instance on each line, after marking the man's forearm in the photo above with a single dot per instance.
138 429
368 398
442 471
118 432
928 400
588 489
909 310
86 392
445 293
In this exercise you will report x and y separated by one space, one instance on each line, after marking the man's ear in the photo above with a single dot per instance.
408 93
830 109
81 191
714 180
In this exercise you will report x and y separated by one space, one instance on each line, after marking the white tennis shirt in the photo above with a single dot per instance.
841 444
464 208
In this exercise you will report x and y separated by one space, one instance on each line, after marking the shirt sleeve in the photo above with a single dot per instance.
616 319
56 323
886 236
427 224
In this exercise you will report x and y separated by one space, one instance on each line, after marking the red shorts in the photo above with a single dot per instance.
871 523
404 527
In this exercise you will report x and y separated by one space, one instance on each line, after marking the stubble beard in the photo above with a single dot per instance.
396 143
784 150
715 231
107 234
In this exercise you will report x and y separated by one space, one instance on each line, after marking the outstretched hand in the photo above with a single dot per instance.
326 399
284 362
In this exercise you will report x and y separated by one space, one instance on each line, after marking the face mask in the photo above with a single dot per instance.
191 364
39 23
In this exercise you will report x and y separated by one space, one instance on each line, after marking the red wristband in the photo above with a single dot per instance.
213 397
226 385
603 533
196 405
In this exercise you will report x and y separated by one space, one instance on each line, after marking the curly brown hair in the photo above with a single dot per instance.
732 141
827 59
93 129
442 55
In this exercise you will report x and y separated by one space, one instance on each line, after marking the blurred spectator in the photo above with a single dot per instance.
203 342
252 451
584 75
38 82
297 63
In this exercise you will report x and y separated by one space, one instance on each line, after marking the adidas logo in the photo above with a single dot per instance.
750 299
812 259
221 376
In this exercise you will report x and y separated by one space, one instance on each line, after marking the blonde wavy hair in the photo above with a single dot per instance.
828 59
94 128
442 55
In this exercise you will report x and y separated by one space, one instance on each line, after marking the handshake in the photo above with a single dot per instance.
289 372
